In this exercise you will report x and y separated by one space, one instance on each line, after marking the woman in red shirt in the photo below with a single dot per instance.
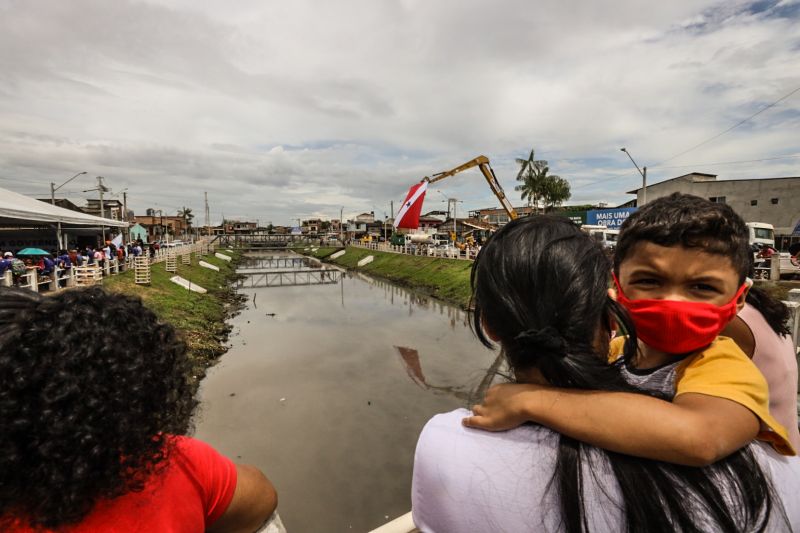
92 434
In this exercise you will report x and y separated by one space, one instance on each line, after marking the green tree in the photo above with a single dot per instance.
556 191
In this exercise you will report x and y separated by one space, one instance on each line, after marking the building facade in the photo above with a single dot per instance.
775 201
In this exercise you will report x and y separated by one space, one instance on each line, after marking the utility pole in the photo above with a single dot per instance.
455 219
100 187
125 216
208 230
341 225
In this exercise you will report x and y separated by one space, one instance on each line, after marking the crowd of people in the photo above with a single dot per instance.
655 392
64 260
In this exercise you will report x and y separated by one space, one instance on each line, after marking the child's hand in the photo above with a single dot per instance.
504 407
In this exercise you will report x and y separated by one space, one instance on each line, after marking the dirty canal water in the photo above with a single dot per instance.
326 388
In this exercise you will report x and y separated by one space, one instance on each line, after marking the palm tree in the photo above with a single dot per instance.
531 174
186 214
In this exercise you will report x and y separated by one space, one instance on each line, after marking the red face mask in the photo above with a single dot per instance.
678 327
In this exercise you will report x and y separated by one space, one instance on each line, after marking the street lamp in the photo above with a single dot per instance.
642 172
341 225
53 190
53 187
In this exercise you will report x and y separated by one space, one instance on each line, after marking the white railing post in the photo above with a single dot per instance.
8 278
33 280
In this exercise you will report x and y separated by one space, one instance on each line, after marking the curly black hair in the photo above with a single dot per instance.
92 386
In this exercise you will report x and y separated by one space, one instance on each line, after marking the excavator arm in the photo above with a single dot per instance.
482 162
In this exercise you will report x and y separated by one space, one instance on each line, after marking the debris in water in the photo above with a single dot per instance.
270 314
283 401
369 402
232 394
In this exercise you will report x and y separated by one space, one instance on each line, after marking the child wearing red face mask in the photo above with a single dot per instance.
680 271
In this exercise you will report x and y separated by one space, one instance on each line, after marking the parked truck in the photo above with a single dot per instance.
761 233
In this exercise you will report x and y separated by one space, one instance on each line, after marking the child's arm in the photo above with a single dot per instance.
694 429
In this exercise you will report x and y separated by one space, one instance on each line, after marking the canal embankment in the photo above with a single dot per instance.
200 318
444 279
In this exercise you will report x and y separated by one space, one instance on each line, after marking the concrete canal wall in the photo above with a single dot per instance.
445 279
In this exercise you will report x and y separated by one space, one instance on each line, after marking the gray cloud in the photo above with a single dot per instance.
281 110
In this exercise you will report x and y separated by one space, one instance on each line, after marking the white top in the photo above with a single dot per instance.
474 481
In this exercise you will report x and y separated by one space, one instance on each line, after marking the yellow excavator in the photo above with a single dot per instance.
482 162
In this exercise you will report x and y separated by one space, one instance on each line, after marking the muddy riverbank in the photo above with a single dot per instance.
201 319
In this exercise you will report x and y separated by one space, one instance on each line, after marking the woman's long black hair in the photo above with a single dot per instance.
541 286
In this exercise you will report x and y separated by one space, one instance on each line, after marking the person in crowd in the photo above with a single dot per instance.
45 266
680 269
100 257
540 293
93 437
6 262
761 330
74 257
88 253
18 267
64 263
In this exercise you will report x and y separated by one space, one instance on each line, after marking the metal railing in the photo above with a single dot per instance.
424 250
85 274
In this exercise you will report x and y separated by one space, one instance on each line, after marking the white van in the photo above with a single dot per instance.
606 237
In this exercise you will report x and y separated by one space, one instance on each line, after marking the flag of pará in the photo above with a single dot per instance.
408 216
117 241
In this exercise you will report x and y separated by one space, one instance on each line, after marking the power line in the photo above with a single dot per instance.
728 162
773 104
691 165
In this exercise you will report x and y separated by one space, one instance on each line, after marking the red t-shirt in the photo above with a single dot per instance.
190 495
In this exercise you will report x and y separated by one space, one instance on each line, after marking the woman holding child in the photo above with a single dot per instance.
539 292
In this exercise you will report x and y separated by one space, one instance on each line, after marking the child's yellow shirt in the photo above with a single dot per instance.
724 371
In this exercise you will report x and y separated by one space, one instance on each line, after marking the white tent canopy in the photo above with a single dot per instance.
19 209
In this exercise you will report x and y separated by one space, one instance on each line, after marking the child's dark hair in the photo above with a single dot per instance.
540 285
690 221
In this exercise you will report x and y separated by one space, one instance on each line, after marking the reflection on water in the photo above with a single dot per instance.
326 388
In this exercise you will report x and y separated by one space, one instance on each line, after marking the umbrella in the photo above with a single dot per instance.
32 251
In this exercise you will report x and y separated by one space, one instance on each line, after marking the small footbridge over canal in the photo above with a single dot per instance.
285 271
264 241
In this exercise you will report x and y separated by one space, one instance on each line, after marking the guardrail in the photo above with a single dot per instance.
88 274
468 254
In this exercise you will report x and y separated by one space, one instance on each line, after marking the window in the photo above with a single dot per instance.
717 199
774 201
764 233
753 202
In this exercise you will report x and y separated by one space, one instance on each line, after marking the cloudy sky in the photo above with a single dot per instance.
292 109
